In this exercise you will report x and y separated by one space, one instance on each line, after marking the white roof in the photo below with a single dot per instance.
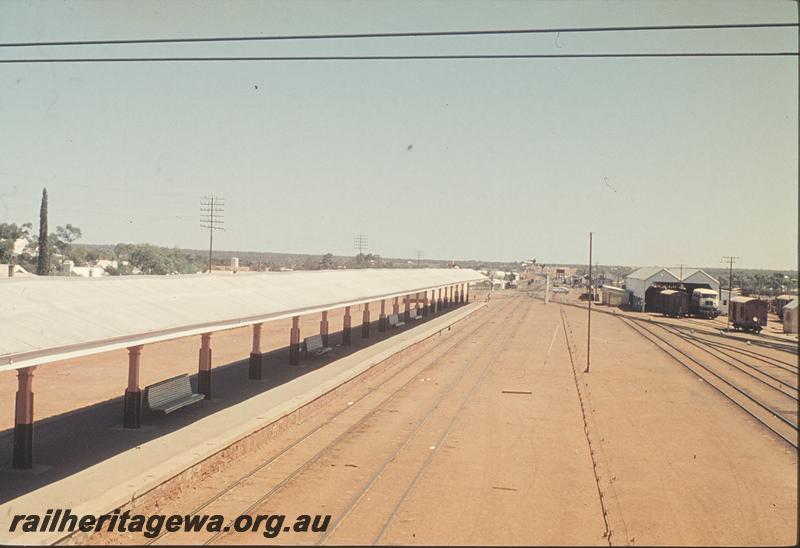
650 271
46 319
699 275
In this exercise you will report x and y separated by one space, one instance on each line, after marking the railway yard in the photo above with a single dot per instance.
492 433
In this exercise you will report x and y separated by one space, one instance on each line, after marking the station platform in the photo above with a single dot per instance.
96 466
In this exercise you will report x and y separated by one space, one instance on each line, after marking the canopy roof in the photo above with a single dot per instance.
46 319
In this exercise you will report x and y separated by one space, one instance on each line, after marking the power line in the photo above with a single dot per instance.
413 34
402 57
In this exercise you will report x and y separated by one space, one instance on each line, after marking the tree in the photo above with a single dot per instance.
326 262
43 262
64 236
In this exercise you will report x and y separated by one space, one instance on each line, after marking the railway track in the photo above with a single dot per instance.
762 400
249 486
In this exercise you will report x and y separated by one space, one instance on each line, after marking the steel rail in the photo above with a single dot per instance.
317 455
638 329
308 435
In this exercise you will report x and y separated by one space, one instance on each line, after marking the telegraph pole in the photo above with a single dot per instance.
419 257
212 210
589 327
730 260
360 243
681 265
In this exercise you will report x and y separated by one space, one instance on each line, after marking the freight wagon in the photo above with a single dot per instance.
673 303
748 314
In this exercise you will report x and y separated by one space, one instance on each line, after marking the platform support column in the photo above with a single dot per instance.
256 356
462 293
418 304
204 366
323 328
407 308
382 317
346 326
396 306
425 303
439 301
467 297
365 322
23 420
132 403
294 341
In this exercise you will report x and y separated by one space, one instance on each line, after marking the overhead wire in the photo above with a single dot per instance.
412 34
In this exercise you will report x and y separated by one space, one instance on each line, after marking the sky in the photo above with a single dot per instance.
666 161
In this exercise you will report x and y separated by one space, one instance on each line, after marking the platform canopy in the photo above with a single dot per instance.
46 319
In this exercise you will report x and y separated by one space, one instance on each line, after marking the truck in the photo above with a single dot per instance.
704 303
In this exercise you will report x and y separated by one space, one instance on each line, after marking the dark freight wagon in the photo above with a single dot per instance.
747 313
673 303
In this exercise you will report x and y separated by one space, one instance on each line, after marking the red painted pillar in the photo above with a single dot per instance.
418 305
461 293
467 299
23 420
407 308
323 328
294 341
132 403
256 356
365 322
425 304
382 317
204 366
439 301
396 307
346 326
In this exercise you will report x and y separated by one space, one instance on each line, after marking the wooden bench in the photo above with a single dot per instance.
313 345
414 315
394 321
171 394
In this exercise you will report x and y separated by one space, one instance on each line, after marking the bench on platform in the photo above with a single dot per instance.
171 394
313 345
394 321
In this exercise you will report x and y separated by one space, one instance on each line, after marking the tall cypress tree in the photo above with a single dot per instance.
43 262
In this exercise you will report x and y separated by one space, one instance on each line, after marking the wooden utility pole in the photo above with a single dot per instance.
591 294
212 209
730 260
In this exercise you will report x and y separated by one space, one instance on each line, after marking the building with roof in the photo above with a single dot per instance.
642 285
697 278
790 317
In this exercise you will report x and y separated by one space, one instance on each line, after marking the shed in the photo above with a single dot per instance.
790 317
613 296
697 278
641 280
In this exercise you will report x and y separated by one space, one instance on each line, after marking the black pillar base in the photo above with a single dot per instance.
424 309
254 374
346 335
324 337
23 446
294 354
365 330
382 323
204 383
407 316
132 409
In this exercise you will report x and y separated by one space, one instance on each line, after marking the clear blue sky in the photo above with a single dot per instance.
509 159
